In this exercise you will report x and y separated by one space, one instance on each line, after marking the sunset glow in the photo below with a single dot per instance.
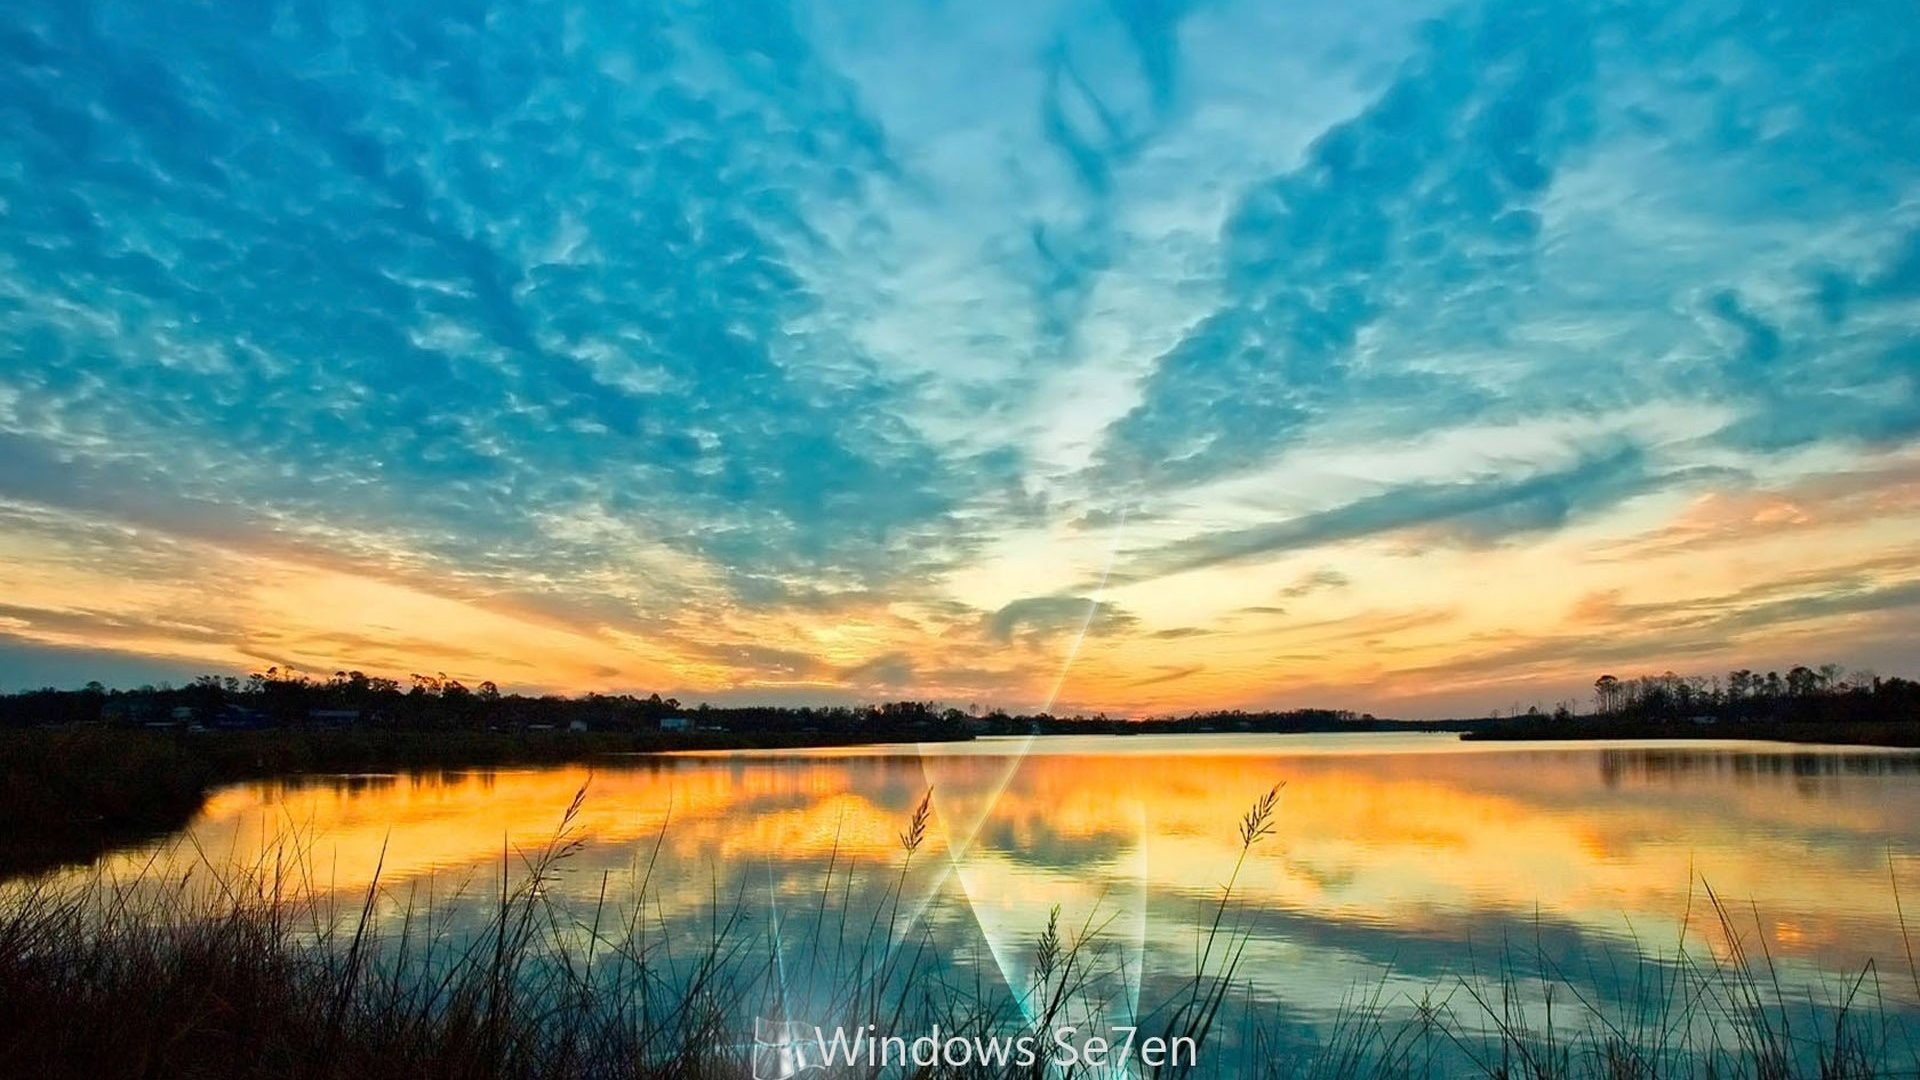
1391 356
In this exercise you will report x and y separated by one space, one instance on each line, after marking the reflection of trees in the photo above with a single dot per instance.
1669 765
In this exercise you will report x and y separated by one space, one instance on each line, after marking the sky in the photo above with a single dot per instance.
1139 356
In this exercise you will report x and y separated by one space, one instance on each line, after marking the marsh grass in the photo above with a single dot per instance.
1714 1004
257 970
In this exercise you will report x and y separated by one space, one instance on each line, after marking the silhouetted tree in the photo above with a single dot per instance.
1606 693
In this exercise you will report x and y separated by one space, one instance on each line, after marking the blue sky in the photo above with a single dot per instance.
1412 355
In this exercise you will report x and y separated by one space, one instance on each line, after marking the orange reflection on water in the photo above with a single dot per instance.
1379 841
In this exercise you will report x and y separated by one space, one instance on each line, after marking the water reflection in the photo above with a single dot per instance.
1422 854
1647 763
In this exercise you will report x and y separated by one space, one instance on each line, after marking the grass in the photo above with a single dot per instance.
259 971
66 796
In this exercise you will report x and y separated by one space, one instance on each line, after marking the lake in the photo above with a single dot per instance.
1397 868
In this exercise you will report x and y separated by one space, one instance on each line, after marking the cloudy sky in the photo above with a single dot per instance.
1409 356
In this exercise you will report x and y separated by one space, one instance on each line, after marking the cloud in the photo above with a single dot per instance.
1759 342
1834 367
1429 194
1763 606
1753 514
1324 579
1689 633
721 346
109 628
1101 518
1169 675
391 314
767 662
1471 511
1038 619
891 670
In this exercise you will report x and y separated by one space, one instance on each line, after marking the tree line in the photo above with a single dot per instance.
280 698
1828 691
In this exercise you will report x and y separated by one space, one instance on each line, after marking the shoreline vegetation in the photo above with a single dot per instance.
85 771
252 971
1805 705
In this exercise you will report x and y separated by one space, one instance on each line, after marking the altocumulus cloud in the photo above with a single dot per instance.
453 272
649 318
1460 249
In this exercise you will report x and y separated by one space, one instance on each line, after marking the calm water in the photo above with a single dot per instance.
1403 859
